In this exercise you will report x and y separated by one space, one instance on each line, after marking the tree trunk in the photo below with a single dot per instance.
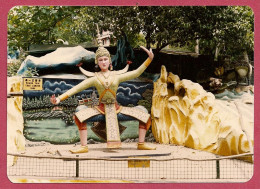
148 44
197 47
217 52
246 56
159 48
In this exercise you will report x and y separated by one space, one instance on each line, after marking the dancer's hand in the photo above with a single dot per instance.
129 62
79 64
54 100
150 53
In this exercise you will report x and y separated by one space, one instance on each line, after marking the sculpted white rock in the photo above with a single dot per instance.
185 114
60 58
15 138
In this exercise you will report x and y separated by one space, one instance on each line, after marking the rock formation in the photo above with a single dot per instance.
185 114
63 58
15 138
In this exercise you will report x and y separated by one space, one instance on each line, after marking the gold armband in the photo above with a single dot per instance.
63 97
147 62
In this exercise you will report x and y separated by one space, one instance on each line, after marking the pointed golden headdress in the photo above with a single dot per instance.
101 51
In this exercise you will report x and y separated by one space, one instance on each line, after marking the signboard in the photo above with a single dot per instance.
32 84
139 163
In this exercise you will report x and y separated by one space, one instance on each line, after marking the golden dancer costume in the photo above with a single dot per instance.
107 86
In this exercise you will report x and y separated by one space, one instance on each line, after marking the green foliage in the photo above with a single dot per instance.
229 27
150 22
13 68
43 102
31 72
40 25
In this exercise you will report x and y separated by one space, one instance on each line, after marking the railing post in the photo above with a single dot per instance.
77 166
218 169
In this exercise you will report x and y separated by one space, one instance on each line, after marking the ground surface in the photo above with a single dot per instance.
168 163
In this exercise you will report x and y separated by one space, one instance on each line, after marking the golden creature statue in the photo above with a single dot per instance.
106 82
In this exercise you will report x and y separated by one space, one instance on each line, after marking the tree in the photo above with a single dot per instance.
221 26
239 35
226 29
221 29
40 25
148 21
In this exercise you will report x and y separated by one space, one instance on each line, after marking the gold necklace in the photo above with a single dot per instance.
106 82
104 75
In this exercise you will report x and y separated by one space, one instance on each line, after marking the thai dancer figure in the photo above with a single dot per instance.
106 82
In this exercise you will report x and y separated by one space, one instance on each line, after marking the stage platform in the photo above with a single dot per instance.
127 150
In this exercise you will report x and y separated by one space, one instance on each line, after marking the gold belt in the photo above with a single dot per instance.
108 101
